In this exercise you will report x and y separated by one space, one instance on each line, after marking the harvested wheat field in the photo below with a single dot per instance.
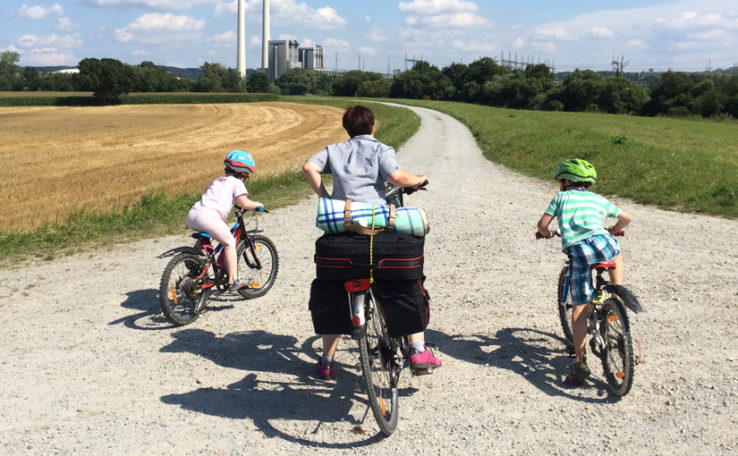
61 159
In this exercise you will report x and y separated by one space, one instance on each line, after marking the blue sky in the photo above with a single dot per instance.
683 35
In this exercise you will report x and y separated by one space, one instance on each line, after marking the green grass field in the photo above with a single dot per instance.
688 165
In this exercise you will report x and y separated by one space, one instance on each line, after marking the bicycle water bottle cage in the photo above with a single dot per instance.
356 285
606 265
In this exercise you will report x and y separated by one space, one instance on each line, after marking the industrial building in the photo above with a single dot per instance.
286 54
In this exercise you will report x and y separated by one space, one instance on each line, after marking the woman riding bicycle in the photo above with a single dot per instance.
580 214
210 213
360 168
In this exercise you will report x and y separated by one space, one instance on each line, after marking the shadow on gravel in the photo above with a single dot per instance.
528 353
147 303
302 398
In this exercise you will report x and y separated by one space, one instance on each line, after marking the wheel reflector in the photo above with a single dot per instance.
620 374
381 404
613 318
174 296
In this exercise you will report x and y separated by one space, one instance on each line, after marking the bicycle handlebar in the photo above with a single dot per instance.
406 190
558 233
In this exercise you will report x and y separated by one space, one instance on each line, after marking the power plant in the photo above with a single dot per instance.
277 56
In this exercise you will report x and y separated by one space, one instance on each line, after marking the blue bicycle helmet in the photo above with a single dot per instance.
240 162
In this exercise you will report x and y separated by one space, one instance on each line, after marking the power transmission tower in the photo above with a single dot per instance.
619 66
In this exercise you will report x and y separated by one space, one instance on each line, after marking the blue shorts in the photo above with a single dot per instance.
581 256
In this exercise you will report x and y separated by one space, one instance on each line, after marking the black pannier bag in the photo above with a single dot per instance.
329 307
344 256
405 305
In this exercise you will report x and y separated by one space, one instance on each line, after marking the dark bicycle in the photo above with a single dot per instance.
194 273
608 326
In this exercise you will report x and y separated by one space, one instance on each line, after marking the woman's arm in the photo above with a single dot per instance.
312 173
404 178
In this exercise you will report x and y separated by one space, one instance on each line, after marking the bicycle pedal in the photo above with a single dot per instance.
423 371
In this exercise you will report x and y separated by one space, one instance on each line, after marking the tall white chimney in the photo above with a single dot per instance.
241 61
265 35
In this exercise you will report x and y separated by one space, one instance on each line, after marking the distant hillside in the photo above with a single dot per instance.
188 73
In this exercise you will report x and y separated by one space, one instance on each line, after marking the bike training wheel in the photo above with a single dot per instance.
180 293
261 279
565 307
376 353
618 359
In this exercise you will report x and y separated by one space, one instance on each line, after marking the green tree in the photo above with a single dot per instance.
109 79
257 83
58 82
378 88
31 78
348 84
580 90
10 73
297 81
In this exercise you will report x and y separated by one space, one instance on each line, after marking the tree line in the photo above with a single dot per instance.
483 81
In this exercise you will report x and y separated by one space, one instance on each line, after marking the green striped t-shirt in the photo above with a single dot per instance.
580 214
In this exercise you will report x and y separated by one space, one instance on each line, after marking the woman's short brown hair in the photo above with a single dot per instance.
358 120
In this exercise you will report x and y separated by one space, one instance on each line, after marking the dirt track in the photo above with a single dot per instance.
89 366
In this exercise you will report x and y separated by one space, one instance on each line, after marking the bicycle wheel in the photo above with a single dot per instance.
377 352
261 279
617 356
180 292
565 306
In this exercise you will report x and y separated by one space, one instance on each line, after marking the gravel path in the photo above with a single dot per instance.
89 366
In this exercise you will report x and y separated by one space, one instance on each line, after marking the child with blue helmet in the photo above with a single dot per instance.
580 215
209 215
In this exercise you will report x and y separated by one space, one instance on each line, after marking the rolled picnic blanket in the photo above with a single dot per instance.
332 216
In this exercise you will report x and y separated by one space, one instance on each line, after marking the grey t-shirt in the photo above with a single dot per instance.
360 168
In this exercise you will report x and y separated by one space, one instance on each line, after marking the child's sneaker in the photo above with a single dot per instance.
579 372
423 363
238 284
326 373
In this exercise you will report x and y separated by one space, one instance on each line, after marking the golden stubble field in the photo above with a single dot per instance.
57 160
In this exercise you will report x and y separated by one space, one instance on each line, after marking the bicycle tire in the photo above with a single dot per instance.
565 307
376 354
180 295
618 359
263 278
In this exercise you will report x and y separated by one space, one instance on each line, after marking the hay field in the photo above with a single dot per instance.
57 160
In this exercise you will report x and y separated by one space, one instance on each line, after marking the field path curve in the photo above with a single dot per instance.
89 366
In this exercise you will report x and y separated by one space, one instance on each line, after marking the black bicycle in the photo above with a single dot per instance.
608 326
381 356
196 272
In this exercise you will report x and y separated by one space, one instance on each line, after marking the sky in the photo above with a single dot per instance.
377 35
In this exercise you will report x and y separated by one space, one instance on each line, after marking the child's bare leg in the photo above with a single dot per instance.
330 344
616 275
579 330
230 263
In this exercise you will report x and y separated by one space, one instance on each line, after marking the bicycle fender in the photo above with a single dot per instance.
177 250
626 297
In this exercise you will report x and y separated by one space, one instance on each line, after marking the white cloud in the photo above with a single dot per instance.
378 34
227 39
367 50
441 13
436 7
602 32
156 5
334 44
51 41
157 28
40 12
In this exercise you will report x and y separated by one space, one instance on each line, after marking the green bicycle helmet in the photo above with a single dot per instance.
576 170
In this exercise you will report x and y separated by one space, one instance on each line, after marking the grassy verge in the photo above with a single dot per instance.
157 214
686 165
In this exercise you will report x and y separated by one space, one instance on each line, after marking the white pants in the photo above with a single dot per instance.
211 223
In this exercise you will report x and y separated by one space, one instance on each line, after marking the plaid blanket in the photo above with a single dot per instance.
408 220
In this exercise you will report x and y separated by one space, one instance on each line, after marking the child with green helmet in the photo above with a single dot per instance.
580 215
